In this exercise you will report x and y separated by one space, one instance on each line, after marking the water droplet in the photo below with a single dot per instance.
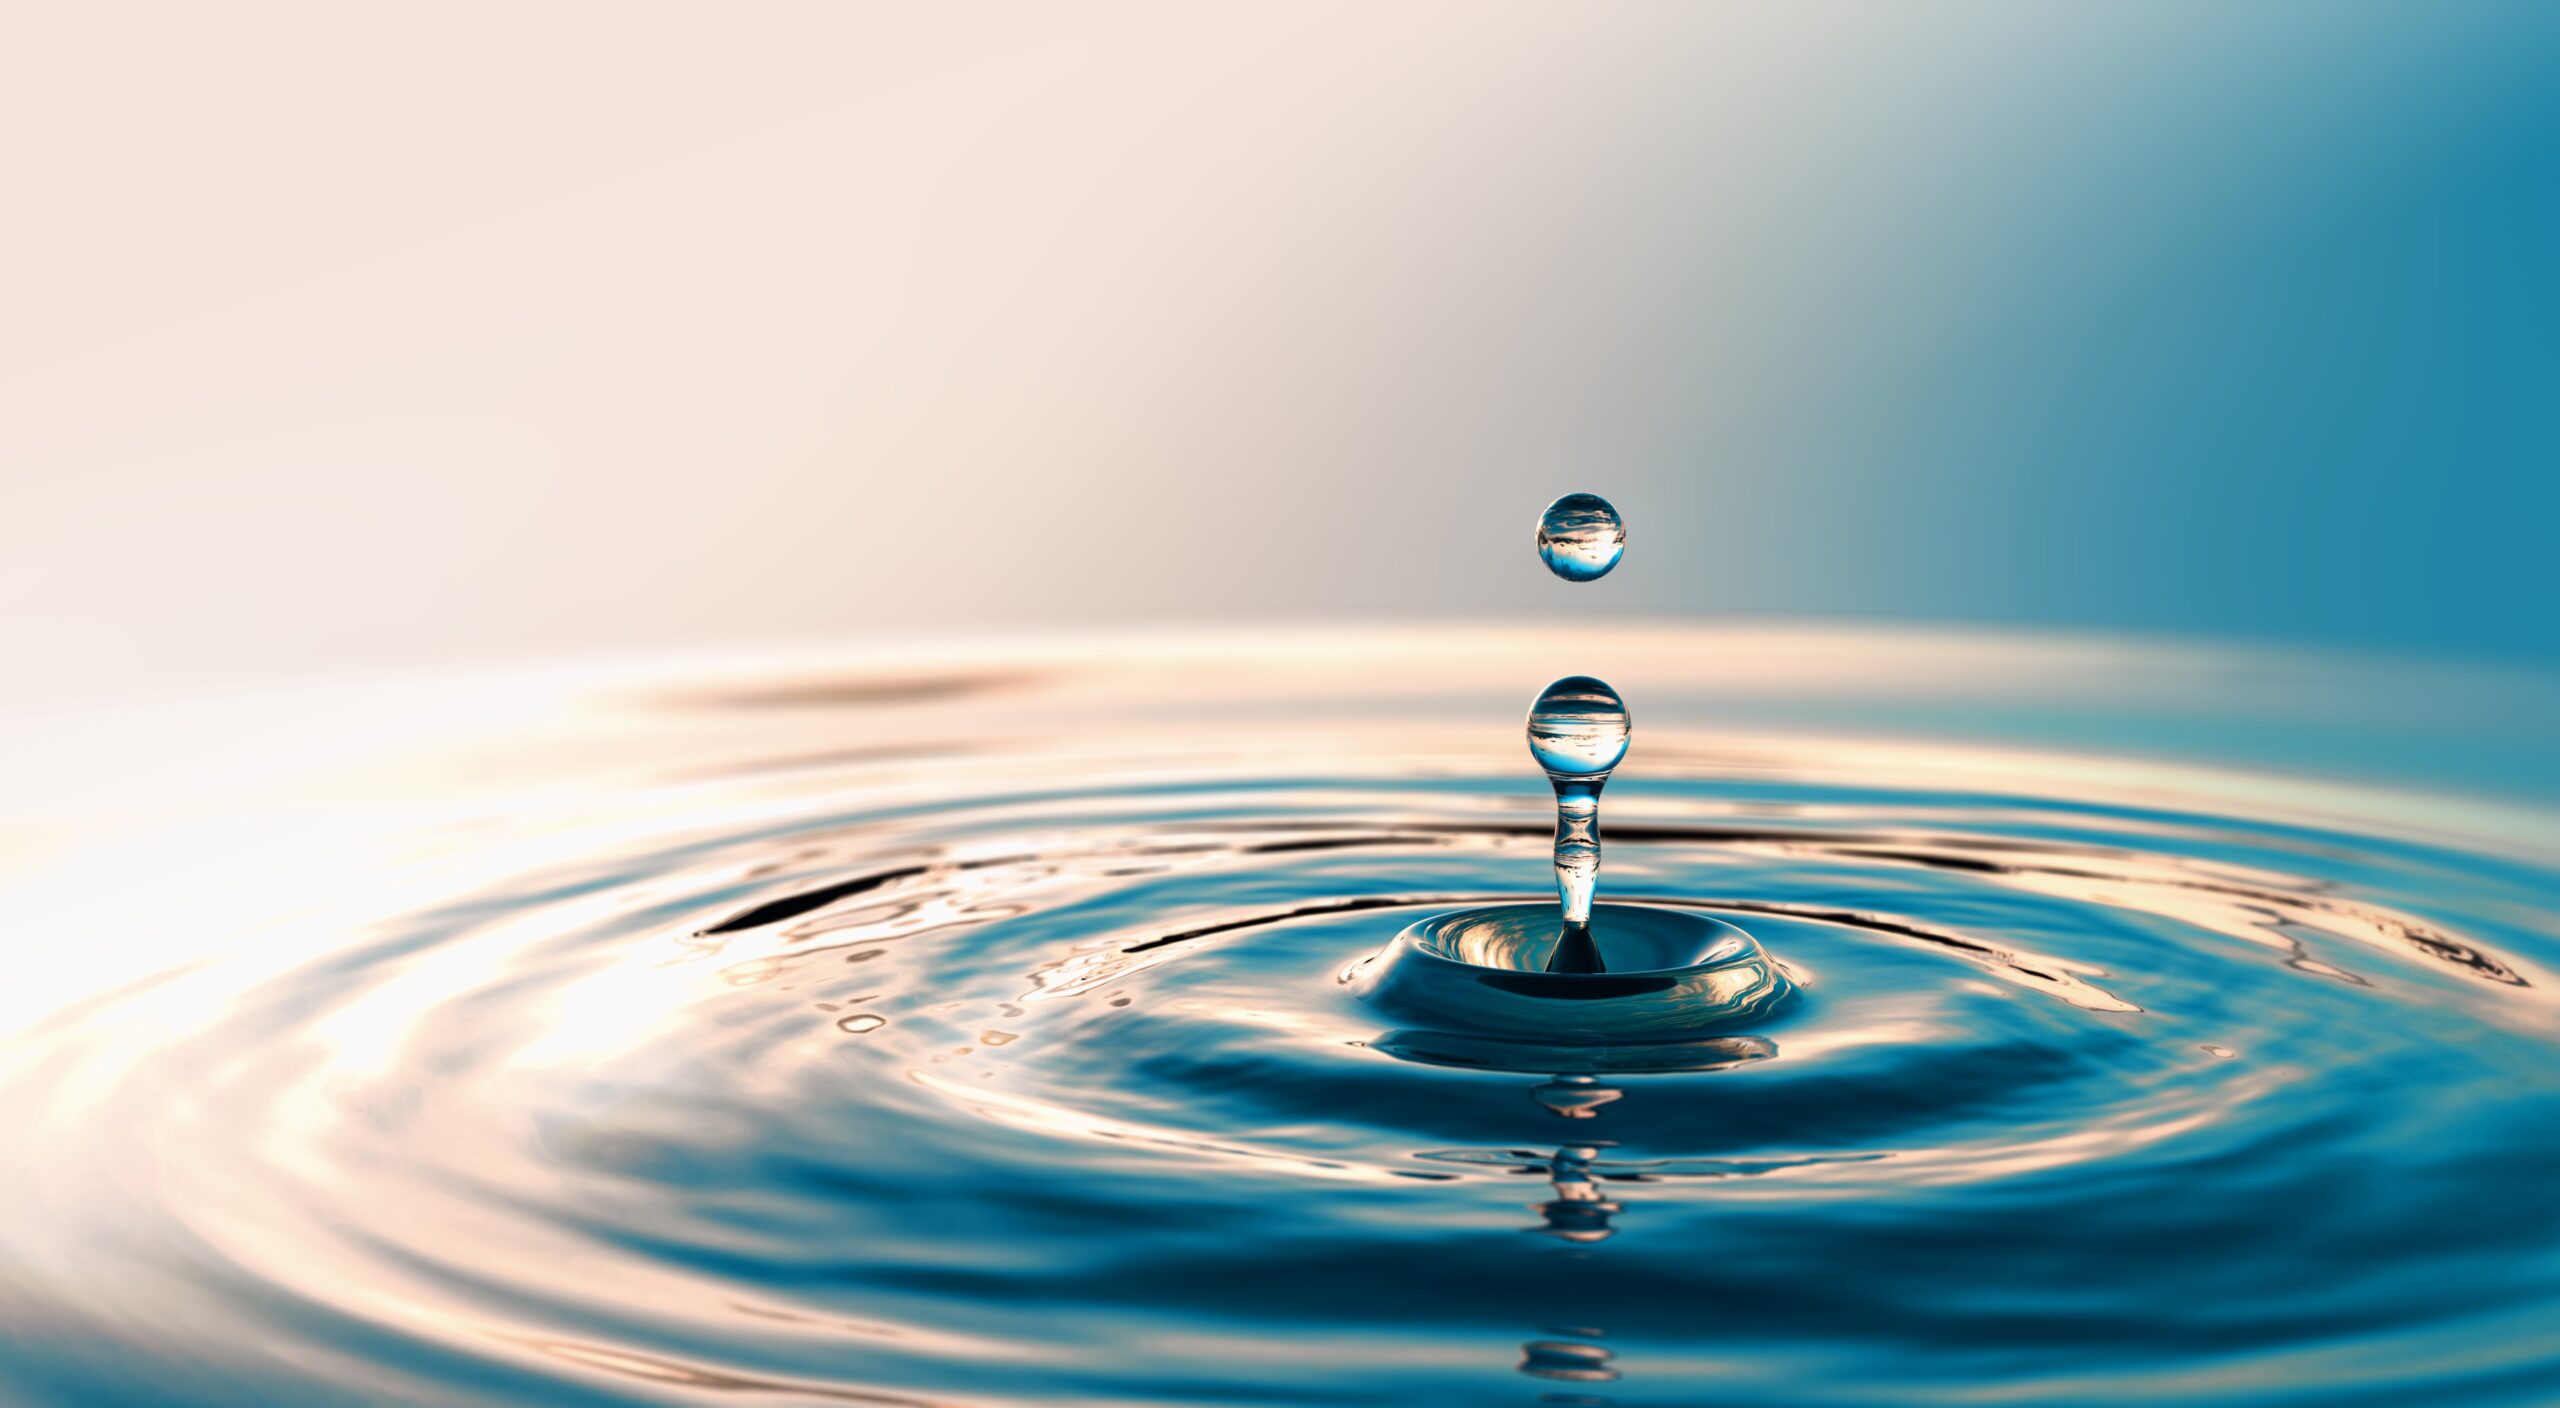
1581 537
1577 731
861 1022
1578 728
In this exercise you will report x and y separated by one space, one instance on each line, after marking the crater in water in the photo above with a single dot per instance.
1657 974
992 1045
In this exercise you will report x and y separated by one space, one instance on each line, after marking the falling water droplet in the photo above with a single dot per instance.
1581 537
1577 732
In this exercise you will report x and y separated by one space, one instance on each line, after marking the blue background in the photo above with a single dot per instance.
2233 326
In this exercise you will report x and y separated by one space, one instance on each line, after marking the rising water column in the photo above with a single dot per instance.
1577 731
1578 726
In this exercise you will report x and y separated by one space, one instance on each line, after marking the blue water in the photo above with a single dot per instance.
977 1037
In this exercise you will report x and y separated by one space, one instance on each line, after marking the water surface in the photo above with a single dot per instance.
967 1028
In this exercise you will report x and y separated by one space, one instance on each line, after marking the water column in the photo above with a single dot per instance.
1578 727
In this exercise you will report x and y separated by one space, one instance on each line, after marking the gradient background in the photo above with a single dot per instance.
335 338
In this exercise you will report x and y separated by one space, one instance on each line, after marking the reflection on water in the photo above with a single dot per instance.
1570 1360
1579 1212
1576 1097
955 1032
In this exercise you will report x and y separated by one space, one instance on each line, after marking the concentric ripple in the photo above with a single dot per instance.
999 1054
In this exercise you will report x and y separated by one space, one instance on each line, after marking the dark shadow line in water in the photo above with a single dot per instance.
2064 983
2411 935
653 1369
1339 843
1934 862
793 906
1350 906
775 911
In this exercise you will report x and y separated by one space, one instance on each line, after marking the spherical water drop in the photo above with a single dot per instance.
1578 728
1581 537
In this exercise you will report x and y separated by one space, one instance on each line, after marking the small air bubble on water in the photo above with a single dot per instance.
1581 537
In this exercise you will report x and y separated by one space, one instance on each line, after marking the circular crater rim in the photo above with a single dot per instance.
1669 974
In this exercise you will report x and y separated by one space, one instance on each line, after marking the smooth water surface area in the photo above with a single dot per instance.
2170 1025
